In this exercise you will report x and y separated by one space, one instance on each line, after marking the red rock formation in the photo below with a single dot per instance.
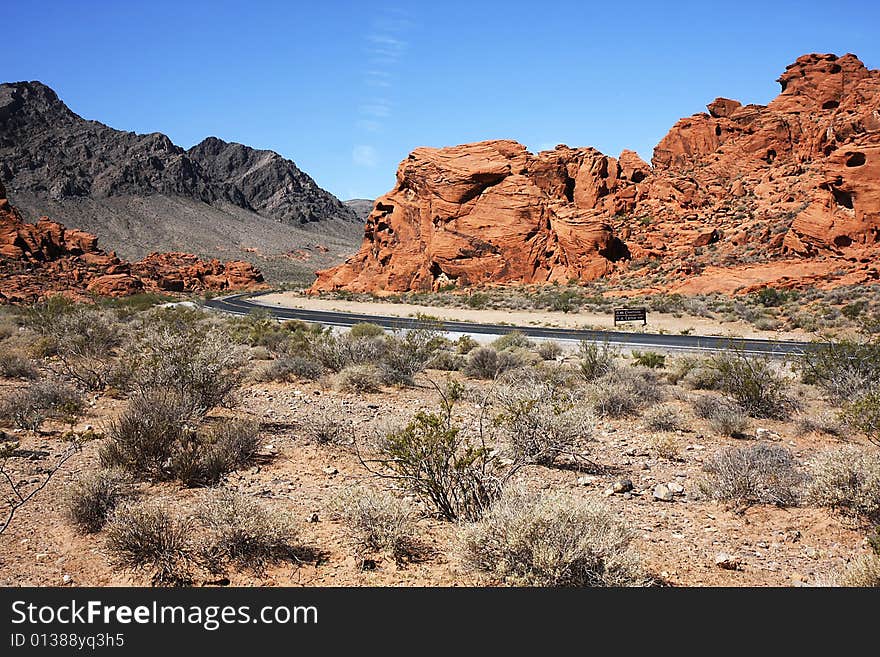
739 185
37 260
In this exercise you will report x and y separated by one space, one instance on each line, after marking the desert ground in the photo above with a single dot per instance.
655 466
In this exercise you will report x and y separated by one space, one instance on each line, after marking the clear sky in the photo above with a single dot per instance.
347 89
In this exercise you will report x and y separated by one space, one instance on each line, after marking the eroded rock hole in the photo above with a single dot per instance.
830 104
835 68
717 130
569 189
639 176
770 156
855 159
842 198
616 250
842 241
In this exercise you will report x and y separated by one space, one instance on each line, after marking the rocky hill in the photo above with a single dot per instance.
38 260
143 193
735 199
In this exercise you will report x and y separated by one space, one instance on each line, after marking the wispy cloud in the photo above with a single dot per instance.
385 45
364 155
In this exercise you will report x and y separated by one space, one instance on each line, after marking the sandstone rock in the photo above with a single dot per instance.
766 434
795 183
38 260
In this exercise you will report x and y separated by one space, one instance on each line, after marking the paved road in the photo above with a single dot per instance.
242 304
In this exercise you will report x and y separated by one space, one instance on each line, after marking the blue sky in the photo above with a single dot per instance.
347 89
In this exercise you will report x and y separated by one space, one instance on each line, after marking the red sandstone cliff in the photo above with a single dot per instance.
736 198
37 260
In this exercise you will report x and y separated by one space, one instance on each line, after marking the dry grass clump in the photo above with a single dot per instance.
159 436
550 540
861 572
29 407
753 474
378 521
147 538
847 478
542 421
486 363
244 533
664 417
327 427
596 360
623 392
290 368
358 378
15 365
91 499
549 350
725 416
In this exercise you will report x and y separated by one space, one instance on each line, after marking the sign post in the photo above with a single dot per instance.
631 315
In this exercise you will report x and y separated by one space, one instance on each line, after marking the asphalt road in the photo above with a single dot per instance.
241 304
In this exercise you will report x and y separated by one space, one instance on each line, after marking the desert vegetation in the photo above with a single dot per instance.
193 448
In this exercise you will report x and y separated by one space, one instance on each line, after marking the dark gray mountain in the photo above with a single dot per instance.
362 207
141 193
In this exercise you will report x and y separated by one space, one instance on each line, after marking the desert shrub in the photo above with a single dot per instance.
359 378
465 344
29 407
201 458
550 540
366 330
596 360
447 361
666 446
512 340
482 363
8 328
847 478
15 365
408 355
177 352
623 392
91 499
258 329
144 437
379 521
291 368
845 369
649 359
327 426
702 377
754 384
338 352
441 465
861 572
245 533
86 342
549 350
863 414
147 538
759 473
681 366
664 417
542 421
825 423
725 416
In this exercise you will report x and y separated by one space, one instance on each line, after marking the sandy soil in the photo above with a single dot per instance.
657 322
678 539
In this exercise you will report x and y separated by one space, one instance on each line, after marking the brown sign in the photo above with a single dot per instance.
631 315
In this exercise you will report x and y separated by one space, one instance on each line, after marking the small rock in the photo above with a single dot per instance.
608 492
586 480
330 470
766 434
622 485
675 489
41 556
724 560
313 517
662 493
67 579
